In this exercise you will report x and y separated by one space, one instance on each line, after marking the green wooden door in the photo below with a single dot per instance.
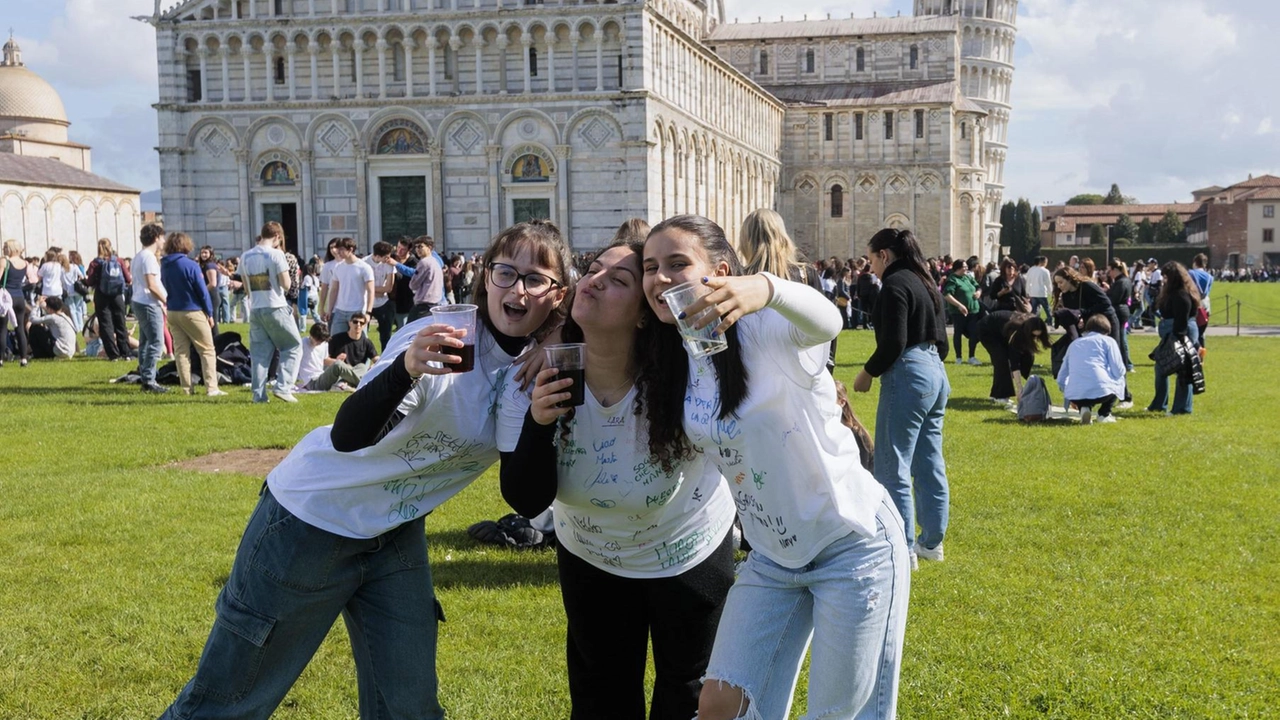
404 207
523 209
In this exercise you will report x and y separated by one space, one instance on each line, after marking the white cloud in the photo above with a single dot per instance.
1264 127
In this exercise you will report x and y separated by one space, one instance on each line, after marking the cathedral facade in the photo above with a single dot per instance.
376 119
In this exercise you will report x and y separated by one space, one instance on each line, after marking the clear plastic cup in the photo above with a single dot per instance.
459 317
571 360
700 343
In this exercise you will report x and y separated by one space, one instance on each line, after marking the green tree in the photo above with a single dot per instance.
1097 236
1114 197
1008 215
1033 247
1169 229
1021 228
1146 232
1086 199
1125 228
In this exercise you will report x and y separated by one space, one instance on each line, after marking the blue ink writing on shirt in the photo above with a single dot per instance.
603 478
615 421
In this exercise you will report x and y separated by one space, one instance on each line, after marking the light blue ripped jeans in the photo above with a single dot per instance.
851 601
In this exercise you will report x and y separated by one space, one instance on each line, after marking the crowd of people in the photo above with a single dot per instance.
646 479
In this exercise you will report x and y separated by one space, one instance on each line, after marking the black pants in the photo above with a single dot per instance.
109 309
965 326
1107 404
611 620
21 313
420 310
385 314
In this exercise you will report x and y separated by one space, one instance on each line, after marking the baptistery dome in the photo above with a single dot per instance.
28 104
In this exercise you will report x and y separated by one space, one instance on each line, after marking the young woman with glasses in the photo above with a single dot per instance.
339 528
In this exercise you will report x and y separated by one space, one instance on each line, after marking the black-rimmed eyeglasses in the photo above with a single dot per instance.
535 284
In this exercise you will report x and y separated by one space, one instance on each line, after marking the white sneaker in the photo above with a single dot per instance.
1125 405
915 561
285 396
216 393
1086 416
959 361
1107 419
934 554
974 361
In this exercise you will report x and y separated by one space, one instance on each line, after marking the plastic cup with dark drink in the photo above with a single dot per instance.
571 360
459 317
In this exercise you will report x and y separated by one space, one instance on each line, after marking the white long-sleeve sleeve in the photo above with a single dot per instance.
814 318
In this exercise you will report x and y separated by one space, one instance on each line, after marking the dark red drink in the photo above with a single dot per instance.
577 394
468 355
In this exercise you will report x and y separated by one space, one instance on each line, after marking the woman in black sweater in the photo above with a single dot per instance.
1012 340
1177 302
1119 293
911 345
1010 289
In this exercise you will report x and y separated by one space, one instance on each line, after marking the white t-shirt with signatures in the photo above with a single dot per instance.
616 508
792 467
445 441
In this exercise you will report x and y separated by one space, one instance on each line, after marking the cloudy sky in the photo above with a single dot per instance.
1160 96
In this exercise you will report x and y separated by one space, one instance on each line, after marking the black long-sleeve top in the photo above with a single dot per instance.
528 474
1016 289
1089 299
904 316
1178 307
372 411
1118 293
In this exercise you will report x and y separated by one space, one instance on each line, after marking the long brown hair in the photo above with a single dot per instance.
902 243
1027 333
1174 278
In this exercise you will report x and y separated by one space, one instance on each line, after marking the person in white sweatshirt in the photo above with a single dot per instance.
1093 370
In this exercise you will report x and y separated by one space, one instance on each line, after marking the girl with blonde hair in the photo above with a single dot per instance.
13 274
74 301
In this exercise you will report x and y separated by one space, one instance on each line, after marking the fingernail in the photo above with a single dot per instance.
681 317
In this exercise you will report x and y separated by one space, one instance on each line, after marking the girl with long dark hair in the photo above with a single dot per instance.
1177 302
829 559
911 344
1012 339
1081 294
339 528
644 546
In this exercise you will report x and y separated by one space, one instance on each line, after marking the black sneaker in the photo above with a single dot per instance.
154 388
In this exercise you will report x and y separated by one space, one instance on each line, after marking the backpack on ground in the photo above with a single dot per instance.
1033 401
111 276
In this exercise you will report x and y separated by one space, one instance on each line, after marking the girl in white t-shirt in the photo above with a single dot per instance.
642 522
50 276
340 525
829 558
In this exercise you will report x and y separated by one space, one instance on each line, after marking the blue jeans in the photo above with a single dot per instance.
224 305
150 339
913 400
851 600
340 321
302 310
289 583
78 309
1039 302
1182 391
273 329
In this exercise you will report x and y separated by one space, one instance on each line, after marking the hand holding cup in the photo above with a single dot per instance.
429 354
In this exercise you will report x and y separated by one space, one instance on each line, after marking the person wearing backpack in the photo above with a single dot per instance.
13 275
108 277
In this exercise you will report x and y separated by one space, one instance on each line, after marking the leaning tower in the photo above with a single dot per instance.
988 29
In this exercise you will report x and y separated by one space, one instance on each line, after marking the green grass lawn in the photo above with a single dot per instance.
1111 571
1259 303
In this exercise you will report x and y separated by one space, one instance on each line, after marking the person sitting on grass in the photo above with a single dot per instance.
351 354
1093 371
60 326
315 351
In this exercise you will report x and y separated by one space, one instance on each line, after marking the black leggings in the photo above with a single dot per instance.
965 326
109 309
611 620
22 313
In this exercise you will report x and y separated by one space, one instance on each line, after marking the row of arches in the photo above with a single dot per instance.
986 83
69 220
700 173
293 9
695 81
1005 11
555 55
988 43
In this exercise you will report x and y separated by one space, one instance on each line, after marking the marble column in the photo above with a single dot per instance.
291 51
503 43
407 48
224 54
478 43
270 57
562 187
526 45
362 195
551 64
306 212
246 52
246 221
359 48
599 61
432 45
337 68
313 56
574 44
455 44
204 74
381 47
493 153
